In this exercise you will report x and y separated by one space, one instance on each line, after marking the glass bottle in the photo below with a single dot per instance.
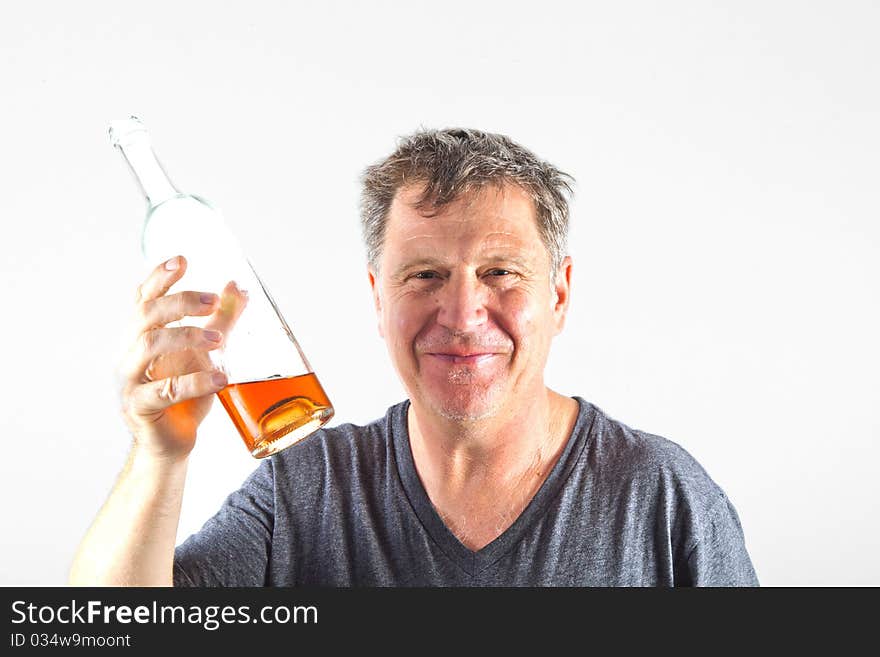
273 397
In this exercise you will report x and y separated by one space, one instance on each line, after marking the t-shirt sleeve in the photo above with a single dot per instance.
719 557
233 547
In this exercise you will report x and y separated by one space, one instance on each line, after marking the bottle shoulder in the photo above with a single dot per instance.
184 224
182 203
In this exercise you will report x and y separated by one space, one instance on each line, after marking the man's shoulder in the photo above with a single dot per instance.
637 457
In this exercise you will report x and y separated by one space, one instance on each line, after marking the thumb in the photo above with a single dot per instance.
232 304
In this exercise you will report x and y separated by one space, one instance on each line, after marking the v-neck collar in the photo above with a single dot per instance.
468 560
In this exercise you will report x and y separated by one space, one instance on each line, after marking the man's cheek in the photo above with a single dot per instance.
400 339
402 326
519 321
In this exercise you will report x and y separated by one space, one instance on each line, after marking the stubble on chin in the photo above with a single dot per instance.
461 417
463 396
467 400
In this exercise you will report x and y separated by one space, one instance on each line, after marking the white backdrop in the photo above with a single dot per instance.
725 230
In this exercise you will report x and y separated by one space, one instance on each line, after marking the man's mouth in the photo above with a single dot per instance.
463 359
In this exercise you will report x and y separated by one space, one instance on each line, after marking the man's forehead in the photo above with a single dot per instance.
489 225
498 243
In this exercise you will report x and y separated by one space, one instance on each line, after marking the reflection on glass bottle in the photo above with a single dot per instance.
273 397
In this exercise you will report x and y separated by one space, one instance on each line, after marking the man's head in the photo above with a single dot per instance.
466 235
447 164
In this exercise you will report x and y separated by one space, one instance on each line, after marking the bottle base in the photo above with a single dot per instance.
275 413
285 433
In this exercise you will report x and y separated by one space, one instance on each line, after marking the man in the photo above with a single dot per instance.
484 476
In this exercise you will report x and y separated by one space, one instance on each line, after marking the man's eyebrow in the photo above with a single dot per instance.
509 257
428 261
418 262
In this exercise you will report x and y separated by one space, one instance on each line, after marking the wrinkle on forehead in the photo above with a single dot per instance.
416 237
499 233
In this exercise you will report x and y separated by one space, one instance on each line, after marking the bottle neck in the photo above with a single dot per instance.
146 168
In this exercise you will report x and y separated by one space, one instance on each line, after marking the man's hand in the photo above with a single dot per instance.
167 388
168 376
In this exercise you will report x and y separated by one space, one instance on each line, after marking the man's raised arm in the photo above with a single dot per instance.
168 387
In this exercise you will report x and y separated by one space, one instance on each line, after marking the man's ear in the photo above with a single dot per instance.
562 288
374 286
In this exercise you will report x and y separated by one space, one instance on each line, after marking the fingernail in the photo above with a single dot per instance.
207 298
212 336
218 379
173 264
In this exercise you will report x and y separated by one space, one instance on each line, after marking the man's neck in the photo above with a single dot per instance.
481 475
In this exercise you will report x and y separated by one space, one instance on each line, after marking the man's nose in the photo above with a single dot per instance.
462 303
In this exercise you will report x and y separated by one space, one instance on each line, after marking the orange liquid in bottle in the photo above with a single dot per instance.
276 413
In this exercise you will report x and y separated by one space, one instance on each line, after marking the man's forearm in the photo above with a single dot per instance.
131 542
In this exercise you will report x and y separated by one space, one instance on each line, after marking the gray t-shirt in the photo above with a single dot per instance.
346 507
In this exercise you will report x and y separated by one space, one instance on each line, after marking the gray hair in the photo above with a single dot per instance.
456 161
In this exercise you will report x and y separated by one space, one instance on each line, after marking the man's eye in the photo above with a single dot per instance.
424 275
500 272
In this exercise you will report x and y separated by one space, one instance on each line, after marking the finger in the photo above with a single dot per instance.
232 304
160 342
175 364
159 395
166 309
161 279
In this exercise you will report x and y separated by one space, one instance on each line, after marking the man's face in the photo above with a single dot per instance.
465 303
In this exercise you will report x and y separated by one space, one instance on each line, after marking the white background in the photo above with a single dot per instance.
725 229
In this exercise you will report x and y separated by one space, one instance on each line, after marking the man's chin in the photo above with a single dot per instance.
460 416
466 408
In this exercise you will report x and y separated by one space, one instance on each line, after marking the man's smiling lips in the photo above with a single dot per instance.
463 359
